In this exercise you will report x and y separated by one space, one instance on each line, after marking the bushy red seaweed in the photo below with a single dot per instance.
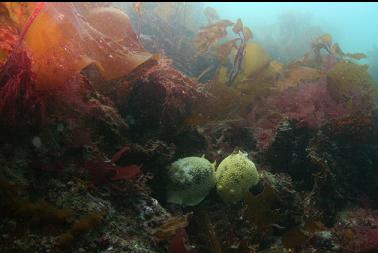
127 172
19 99
179 243
309 103
365 240
357 231
104 171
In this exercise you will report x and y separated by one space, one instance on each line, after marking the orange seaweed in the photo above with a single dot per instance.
171 226
356 56
260 210
19 12
247 33
224 50
238 27
66 37
210 34
297 74
349 82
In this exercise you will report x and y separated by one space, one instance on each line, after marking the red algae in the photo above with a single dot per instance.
117 91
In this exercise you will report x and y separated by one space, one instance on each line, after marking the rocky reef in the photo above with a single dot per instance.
100 127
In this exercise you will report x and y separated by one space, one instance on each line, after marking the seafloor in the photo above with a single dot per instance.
95 106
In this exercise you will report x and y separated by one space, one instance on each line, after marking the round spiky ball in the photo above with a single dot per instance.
190 180
234 176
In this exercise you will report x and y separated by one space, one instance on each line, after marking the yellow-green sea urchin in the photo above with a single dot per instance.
234 176
190 180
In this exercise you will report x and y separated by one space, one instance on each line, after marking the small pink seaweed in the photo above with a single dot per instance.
127 172
120 153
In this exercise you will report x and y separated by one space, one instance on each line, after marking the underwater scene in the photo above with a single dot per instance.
188 127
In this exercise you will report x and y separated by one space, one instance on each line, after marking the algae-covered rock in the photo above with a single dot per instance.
190 180
234 176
